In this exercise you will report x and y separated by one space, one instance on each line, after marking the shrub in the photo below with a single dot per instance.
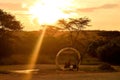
106 67
109 53
94 45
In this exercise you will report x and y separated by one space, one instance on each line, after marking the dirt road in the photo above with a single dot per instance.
50 73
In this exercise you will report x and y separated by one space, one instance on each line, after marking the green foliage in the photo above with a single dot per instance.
8 21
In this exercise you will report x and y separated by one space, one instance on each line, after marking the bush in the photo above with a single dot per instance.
109 53
106 67
94 45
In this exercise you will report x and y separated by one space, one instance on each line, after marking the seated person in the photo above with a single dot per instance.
67 64
75 66
70 66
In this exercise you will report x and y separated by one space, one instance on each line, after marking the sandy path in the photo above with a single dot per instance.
64 76
50 73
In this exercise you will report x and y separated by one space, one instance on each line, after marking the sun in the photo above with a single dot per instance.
48 12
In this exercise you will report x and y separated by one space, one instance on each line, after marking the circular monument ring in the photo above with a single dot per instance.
76 52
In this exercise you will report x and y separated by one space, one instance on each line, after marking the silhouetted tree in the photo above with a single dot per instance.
109 53
91 50
109 34
51 30
5 45
8 21
74 26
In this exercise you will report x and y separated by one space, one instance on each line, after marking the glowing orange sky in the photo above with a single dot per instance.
105 14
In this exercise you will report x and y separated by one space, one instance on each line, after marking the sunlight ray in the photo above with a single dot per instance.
35 53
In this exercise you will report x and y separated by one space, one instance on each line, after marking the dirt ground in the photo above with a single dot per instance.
49 72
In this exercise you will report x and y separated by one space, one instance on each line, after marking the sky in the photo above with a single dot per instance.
104 14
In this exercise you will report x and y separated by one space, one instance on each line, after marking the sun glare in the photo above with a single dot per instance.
48 12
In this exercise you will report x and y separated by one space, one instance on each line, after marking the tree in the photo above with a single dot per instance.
92 48
110 52
74 26
6 43
51 30
8 21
